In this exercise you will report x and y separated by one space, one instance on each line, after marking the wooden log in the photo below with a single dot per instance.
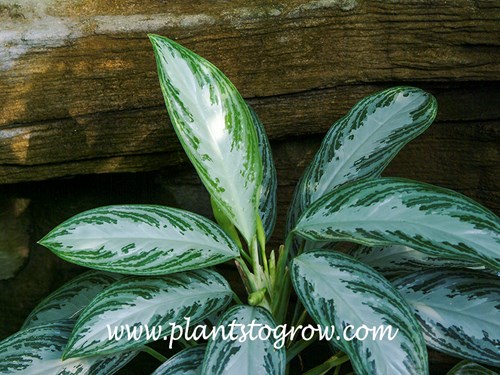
80 93
141 140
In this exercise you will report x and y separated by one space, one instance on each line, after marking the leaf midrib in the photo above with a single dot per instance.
153 238
454 236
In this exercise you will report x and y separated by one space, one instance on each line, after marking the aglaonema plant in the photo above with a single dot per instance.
425 259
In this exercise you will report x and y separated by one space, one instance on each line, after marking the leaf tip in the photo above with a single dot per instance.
154 38
44 240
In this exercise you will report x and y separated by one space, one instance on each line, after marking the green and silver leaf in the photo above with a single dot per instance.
393 211
362 143
337 290
71 298
397 260
215 128
187 362
38 350
146 303
140 240
470 368
458 310
267 202
225 356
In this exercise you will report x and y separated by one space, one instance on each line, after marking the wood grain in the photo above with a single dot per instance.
80 94
142 140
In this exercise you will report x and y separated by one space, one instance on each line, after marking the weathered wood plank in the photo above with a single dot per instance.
140 140
111 67
75 75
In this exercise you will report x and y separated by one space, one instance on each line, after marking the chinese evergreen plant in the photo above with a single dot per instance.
425 261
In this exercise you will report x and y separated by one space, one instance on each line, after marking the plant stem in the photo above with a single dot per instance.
284 298
246 256
302 317
296 310
254 254
296 322
184 343
282 286
225 223
237 299
154 353
272 270
261 236
332 362
250 279
283 259
298 347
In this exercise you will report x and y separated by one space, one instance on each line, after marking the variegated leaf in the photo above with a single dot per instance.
71 298
146 303
186 362
215 128
362 143
267 202
339 291
458 310
38 350
470 368
236 356
396 260
140 240
393 211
